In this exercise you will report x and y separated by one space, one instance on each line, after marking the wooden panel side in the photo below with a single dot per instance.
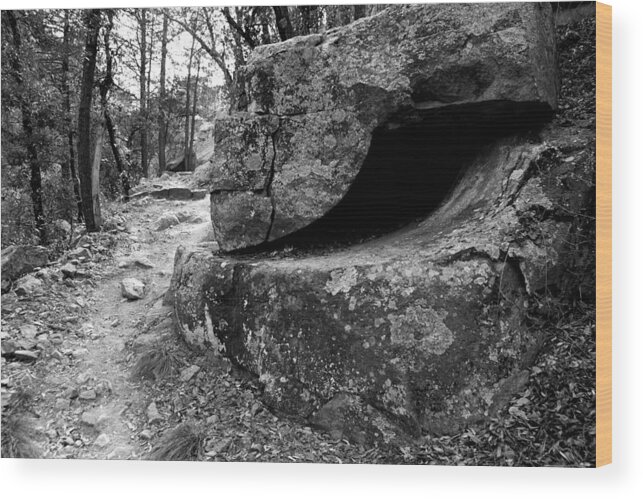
603 234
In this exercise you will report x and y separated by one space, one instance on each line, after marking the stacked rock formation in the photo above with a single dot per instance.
425 126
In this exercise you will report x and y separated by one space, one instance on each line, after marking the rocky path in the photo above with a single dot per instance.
116 324
82 397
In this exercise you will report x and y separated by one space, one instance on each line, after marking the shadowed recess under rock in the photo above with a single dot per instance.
411 168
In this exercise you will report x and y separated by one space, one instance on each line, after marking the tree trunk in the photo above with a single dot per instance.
91 210
27 127
66 167
105 87
192 127
95 172
161 118
186 138
70 171
143 90
284 26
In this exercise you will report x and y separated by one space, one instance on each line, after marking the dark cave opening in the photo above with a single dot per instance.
410 170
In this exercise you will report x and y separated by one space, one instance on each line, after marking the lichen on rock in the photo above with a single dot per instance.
422 328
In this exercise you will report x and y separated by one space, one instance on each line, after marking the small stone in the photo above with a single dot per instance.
49 274
166 221
144 341
195 219
218 446
153 415
8 347
52 434
144 263
83 378
81 254
29 331
27 285
79 352
70 393
188 373
87 395
132 289
90 418
146 435
26 345
102 440
62 404
43 343
214 419
69 270
183 216
94 418
136 261
256 409
25 355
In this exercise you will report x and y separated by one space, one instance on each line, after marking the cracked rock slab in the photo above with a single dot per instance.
313 104
425 326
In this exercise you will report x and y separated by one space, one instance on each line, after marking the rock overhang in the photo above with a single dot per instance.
313 103
421 329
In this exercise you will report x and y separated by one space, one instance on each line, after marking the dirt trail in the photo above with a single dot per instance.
117 322
85 402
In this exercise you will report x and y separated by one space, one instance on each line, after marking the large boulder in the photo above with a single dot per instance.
426 325
22 259
313 103
440 206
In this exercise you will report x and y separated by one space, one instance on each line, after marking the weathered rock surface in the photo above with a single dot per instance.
166 221
20 260
153 414
424 325
132 289
136 261
189 372
176 193
69 270
28 285
314 102
421 329
26 355
80 254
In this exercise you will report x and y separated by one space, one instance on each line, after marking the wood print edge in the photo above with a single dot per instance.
603 234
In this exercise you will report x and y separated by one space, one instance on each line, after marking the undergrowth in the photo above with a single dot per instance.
17 428
182 443
156 364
